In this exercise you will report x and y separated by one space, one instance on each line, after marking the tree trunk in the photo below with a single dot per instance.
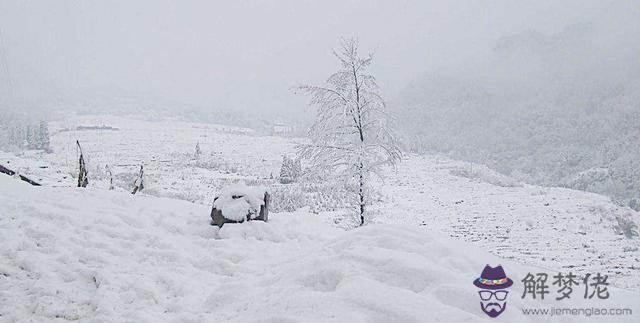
361 196
138 184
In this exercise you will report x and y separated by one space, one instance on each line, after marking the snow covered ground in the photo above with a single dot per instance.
554 228
165 147
105 256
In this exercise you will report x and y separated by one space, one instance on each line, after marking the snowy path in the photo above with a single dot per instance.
550 227
94 255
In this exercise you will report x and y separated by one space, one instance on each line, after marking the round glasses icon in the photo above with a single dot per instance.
500 295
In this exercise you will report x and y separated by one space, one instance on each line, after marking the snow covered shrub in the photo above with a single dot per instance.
327 196
290 170
626 226
634 204
287 198
318 197
213 164
591 179
188 192
124 177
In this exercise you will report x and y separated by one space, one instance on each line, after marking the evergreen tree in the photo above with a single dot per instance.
44 141
31 138
198 151
286 170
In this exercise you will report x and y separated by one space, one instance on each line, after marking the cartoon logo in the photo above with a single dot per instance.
493 297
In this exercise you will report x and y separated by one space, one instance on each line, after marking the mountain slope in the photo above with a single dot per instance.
555 228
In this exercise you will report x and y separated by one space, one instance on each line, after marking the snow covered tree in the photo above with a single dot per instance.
14 136
350 137
285 170
296 169
31 138
288 173
43 137
197 151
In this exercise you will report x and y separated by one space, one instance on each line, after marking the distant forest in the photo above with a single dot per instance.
558 110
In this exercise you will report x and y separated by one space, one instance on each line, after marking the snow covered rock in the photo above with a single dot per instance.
238 203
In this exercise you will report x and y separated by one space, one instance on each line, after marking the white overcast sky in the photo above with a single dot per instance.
248 54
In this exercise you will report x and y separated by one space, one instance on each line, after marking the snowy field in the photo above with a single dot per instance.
554 228
109 256
166 149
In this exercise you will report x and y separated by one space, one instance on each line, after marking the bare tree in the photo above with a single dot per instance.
350 137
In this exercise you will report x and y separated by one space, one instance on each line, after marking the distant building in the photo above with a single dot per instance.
281 129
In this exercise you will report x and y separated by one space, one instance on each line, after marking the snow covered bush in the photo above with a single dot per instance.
626 226
591 179
634 204
290 170
287 198
124 177
317 197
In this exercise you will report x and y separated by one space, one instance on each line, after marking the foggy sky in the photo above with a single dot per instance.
248 54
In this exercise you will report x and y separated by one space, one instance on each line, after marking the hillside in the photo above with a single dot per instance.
553 109
554 228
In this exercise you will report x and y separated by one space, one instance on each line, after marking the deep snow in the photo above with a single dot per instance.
109 256
97 255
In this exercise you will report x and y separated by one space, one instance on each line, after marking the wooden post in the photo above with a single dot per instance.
9 172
